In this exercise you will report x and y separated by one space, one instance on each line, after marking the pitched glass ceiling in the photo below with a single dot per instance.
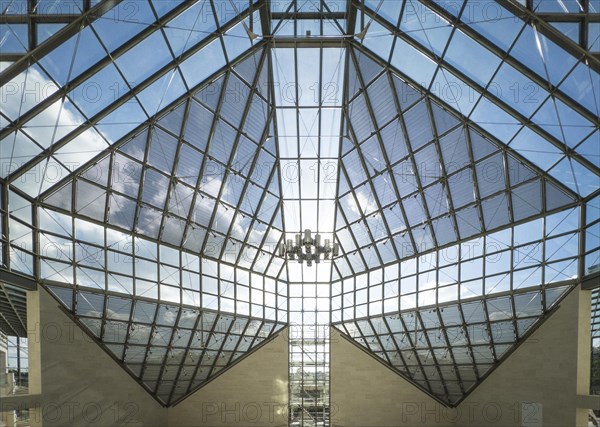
503 74
418 176
308 120
153 162
113 68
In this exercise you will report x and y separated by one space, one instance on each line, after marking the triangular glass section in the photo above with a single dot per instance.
173 350
447 350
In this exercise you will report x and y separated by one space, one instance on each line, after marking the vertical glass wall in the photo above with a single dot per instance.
17 361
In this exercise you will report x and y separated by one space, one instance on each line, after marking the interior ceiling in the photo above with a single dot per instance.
162 145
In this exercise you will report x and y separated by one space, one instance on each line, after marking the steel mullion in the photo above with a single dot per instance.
153 330
318 122
450 351
348 225
575 17
173 182
58 18
436 364
582 240
109 58
413 349
31 26
226 335
273 125
515 323
506 58
185 355
343 120
203 349
297 113
393 338
169 349
198 186
465 332
152 301
104 320
371 113
473 125
281 24
217 117
264 7
444 179
550 32
308 15
211 134
144 165
420 191
132 93
64 34
351 21
332 17
379 342
477 196
488 328
134 234
248 182
555 285
410 156
72 248
475 236
5 237
130 326
270 224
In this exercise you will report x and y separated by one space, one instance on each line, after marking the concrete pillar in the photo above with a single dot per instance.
33 339
9 419
584 353
3 356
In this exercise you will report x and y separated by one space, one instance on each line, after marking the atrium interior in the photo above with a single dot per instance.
300 213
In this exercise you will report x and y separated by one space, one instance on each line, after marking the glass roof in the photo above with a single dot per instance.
171 349
308 18
418 176
151 161
96 77
571 18
505 75
449 349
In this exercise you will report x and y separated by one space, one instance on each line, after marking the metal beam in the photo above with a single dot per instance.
18 280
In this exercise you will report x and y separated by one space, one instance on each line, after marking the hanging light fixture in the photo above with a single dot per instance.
305 248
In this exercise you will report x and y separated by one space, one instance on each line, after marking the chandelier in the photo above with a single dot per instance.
308 249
